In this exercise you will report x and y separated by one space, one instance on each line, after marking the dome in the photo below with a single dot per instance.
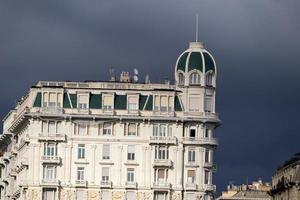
195 60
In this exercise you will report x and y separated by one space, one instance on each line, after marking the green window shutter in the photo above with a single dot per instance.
96 101
66 103
195 61
38 100
142 101
177 104
73 98
149 104
120 102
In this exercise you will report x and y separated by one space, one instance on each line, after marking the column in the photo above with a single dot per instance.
120 149
93 164
144 166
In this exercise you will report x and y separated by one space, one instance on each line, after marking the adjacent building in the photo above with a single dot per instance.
286 180
115 140
258 190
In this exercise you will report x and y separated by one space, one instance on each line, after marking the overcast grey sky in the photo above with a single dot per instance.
256 45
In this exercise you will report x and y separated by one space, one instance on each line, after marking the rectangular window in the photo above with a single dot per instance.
106 152
132 103
161 152
163 103
107 129
194 102
45 99
131 152
45 127
52 99
192 132
191 155
52 129
80 173
50 149
58 127
83 102
162 130
107 103
130 175
105 174
160 195
155 130
170 130
208 104
207 156
48 194
191 174
161 175
171 103
132 130
156 103
49 172
206 177
81 151
206 133
82 129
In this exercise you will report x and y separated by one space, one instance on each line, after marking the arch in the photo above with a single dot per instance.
195 78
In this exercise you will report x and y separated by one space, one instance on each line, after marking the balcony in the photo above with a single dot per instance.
192 164
210 187
161 185
163 140
162 163
52 137
51 159
105 184
200 141
208 165
55 110
81 183
191 186
23 142
131 185
135 112
50 182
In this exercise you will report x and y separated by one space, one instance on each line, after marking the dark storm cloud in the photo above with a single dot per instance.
255 43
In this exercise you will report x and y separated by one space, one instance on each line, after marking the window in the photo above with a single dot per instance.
130 195
83 102
209 78
156 103
132 103
206 133
107 103
81 151
191 155
49 172
161 152
195 78
132 130
160 195
192 132
131 152
48 194
155 130
206 177
208 104
105 174
82 129
162 175
162 130
107 129
80 173
206 156
106 195
50 149
52 129
81 195
191 175
58 127
106 152
180 78
52 99
171 104
163 103
194 103
44 127
130 175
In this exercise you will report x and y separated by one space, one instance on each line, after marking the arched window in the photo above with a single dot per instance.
195 78
180 78
209 79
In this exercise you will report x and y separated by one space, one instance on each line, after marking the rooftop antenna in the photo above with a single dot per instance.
197 27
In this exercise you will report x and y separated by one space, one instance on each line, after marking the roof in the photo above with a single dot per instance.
249 195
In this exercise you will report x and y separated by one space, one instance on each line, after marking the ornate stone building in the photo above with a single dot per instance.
286 180
116 139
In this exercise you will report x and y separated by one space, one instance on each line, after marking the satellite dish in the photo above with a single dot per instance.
135 71
135 78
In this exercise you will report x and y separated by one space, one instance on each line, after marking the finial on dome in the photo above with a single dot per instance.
197 27
196 45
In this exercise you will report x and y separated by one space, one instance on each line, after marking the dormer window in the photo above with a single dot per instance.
132 103
180 78
83 101
195 78
52 99
108 103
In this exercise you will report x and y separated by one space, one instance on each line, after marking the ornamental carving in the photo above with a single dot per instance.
117 196
176 196
93 195
67 195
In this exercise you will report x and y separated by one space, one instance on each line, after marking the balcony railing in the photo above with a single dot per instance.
208 164
50 182
81 183
52 110
210 187
131 184
163 140
200 141
105 184
162 163
161 185
191 186
51 159
52 137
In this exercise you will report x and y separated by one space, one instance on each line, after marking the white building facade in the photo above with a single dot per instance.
114 140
